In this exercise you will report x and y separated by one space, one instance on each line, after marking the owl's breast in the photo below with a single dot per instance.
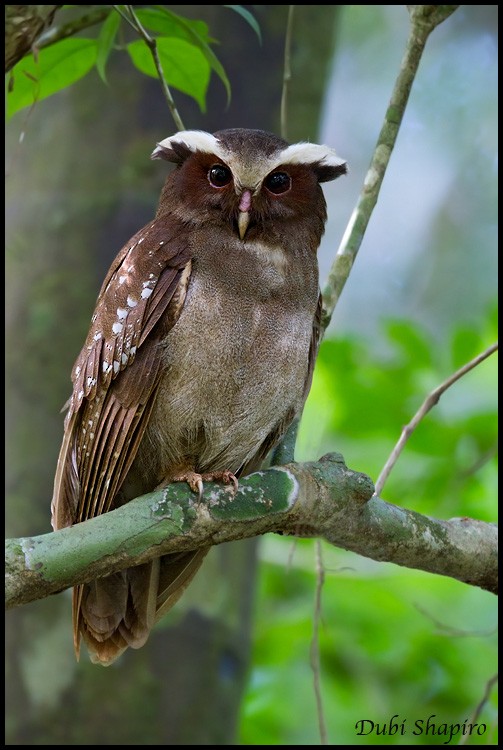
236 364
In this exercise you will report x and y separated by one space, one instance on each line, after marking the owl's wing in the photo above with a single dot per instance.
116 374
280 430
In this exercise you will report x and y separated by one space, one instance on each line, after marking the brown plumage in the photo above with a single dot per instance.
199 355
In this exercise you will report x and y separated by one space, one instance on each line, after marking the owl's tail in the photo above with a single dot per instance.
114 613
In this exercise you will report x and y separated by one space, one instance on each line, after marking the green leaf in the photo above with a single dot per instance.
184 66
168 23
106 40
56 68
248 18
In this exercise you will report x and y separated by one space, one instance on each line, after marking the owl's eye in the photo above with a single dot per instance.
219 175
278 182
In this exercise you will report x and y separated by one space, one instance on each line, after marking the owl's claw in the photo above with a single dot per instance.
200 488
195 480
227 477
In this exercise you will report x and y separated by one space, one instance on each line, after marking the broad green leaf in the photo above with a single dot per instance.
195 32
106 40
57 67
184 66
248 18
167 23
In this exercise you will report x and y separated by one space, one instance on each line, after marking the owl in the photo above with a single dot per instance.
199 355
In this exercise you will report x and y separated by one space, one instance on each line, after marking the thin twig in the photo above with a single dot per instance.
430 401
132 19
423 20
287 73
487 692
452 632
315 644
479 463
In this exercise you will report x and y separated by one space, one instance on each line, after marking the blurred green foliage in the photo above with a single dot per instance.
393 641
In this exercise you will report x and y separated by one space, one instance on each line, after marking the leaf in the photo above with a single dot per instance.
248 18
184 65
167 23
57 67
106 40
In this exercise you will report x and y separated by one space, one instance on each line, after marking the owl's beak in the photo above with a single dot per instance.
244 212
243 221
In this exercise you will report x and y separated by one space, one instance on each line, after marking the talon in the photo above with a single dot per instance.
228 477
200 488
193 479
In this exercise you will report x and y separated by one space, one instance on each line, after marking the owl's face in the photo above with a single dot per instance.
249 179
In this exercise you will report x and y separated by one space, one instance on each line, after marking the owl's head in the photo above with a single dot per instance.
250 179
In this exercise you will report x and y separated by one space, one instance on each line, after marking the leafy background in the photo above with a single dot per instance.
421 300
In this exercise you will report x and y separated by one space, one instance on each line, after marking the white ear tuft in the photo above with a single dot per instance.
323 159
194 140
311 153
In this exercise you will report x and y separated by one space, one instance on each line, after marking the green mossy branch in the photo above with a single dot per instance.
321 499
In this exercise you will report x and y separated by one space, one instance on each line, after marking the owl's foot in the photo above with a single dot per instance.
227 477
195 480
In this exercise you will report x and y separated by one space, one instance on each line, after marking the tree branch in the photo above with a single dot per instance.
315 645
287 73
70 28
430 401
132 19
322 499
423 19
23 24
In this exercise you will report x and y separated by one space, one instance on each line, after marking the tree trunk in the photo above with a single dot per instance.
79 185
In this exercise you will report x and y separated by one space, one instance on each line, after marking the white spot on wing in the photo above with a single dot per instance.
131 301
117 327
